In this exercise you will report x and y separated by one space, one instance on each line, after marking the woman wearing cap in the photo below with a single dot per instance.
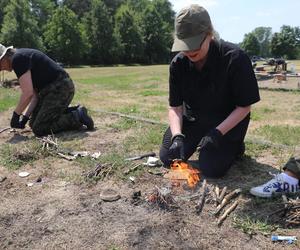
47 91
211 89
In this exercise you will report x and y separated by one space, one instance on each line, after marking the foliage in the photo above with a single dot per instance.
263 36
79 7
19 26
130 34
62 36
99 32
42 10
156 36
286 42
3 3
250 44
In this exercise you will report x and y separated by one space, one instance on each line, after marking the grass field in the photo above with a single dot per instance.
273 136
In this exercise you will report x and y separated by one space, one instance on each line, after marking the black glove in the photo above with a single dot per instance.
14 122
177 148
211 140
23 121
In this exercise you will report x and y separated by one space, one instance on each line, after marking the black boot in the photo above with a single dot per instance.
82 116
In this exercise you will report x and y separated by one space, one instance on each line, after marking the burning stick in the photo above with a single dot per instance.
227 212
201 202
226 199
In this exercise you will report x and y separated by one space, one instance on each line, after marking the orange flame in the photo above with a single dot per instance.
184 171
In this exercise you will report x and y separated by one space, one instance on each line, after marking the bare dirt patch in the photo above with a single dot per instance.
64 210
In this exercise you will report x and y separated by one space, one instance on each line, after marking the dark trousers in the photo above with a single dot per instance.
51 115
213 162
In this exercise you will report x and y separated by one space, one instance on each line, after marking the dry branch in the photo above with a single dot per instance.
226 199
221 197
67 157
227 212
290 213
201 202
4 129
137 118
217 191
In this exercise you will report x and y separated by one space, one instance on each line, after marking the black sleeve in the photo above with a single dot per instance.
21 64
243 81
175 89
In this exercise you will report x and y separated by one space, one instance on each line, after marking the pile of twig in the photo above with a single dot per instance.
213 194
223 200
290 214
162 198
49 142
100 171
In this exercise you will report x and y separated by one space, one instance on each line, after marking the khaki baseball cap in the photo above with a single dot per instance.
3 50
191 27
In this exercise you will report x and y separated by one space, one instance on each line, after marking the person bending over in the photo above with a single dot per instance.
47 90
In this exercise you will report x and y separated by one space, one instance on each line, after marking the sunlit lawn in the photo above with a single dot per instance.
143 91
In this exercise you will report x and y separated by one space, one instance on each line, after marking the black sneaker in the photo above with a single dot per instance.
85 118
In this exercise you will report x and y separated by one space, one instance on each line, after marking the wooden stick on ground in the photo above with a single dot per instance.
4 129
201 202
227 212
226 199
137 118
221 196
217 191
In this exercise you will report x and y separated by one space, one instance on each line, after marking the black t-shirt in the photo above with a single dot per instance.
226 80
43 69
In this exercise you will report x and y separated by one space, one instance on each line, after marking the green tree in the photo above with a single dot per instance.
3 4
263 36
130 34
19 26
166 12
63 38
113 5
156 36
286 42
99 33
42 10
250 44
79 7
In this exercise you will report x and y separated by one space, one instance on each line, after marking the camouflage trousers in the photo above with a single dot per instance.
293 165
51 114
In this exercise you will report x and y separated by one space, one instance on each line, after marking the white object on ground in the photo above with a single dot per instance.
24 174
96 155
152 161
132 178
80 153
29 184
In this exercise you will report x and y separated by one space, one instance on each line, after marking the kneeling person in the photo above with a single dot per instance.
47 91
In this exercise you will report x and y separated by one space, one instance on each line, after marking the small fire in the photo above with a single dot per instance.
183 171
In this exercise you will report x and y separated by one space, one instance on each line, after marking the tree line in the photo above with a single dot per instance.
115 31
262 42
90 31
